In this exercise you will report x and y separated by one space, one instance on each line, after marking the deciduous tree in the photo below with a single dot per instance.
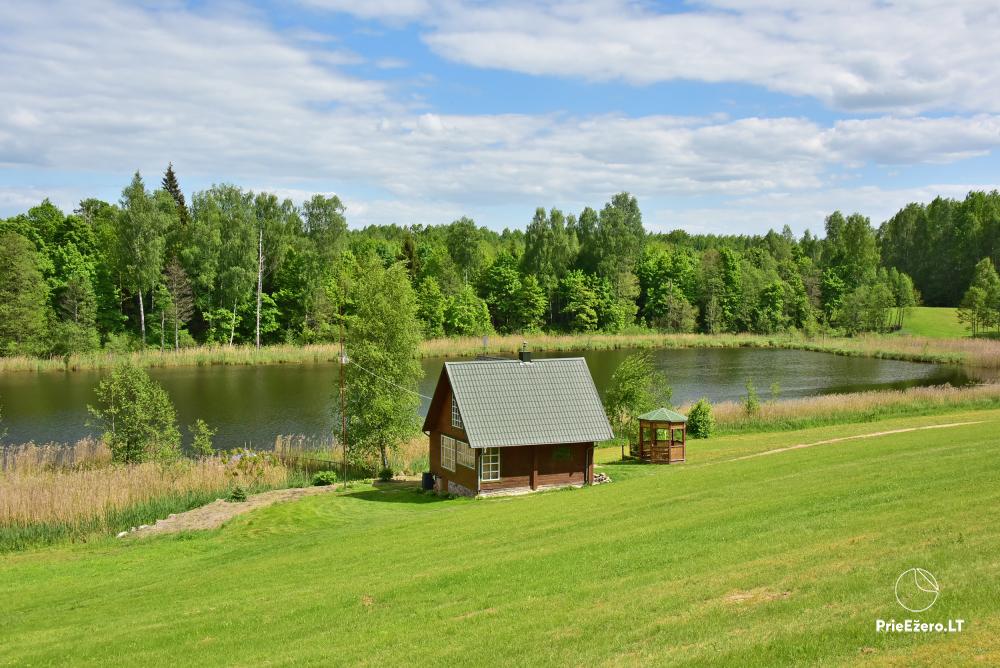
24 297
136 417
636 387
383 339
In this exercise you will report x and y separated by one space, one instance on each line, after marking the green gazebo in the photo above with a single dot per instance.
662 436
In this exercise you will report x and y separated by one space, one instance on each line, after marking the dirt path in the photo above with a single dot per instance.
217 513
853 438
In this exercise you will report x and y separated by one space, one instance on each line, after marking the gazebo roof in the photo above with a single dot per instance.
663 415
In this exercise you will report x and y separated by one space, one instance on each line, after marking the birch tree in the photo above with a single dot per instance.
140 234
272 222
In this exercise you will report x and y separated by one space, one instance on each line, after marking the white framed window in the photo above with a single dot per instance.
491 465
465 455
447 452
456 416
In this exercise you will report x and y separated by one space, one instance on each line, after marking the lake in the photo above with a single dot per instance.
250 405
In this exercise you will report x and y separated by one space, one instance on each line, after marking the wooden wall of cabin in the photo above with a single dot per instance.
562 464
515 469
552 464
441 424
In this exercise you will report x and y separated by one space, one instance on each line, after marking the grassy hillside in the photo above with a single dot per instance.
787 558
934 322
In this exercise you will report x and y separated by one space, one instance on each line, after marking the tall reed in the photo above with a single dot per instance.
731 416
322 453
976 352
45 504
88 452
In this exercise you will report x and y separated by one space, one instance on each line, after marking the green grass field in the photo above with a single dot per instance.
934 322
787 558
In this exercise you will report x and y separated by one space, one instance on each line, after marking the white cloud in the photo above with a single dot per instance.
386 10
862 55
107 88
897 141
800 210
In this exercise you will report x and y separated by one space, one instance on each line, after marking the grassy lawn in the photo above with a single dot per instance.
934 322
787 558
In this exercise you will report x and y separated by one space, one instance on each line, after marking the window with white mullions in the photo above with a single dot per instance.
490 465
456 416
465 455
447 453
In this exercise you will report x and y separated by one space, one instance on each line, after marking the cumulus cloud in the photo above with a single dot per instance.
801 210
105 88
864 55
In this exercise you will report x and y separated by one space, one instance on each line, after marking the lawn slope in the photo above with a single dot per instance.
781 559
934 322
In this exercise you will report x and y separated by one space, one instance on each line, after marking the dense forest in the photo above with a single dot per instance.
237 267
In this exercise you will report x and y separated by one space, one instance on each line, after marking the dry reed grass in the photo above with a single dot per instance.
71 496
319 453
870 405
976 352
85 453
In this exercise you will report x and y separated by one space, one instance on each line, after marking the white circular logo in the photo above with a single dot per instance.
917 589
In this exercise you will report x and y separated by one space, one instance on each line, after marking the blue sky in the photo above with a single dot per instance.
724 116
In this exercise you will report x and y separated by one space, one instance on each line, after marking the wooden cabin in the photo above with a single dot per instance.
514 425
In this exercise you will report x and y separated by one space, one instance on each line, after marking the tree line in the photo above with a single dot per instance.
238 267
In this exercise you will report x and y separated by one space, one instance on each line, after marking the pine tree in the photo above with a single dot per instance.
174 189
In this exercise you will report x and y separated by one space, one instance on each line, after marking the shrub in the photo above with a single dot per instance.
249 468
201 435
136 416
237 494
701 423
385 475
751 402
636 387
324 478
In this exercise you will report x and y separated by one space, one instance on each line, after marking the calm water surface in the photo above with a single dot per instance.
252 404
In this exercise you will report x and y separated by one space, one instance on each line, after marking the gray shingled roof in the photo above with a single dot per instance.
509 402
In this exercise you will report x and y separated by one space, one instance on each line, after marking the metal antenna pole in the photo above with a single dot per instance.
343 408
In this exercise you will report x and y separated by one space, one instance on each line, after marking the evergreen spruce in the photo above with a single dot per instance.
174 189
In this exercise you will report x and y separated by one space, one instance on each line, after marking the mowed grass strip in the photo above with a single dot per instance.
935 322
784 559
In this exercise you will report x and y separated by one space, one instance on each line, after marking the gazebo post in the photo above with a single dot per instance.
641 436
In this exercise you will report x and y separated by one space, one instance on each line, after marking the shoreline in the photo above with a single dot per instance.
974 352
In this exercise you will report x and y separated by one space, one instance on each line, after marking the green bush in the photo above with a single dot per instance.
201 438
385 475
136 416
751 402
324 478
237 494
701 423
